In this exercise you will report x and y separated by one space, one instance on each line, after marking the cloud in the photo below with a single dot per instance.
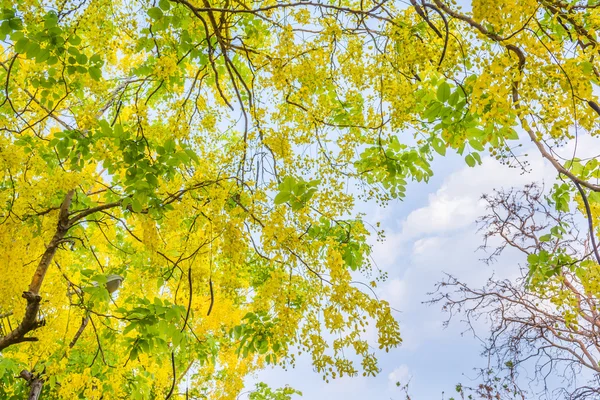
427 245
423 241
399 375
457 203
395 292
387 252
452 208
585 146
440 237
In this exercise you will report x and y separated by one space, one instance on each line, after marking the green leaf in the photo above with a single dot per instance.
15 36
511 134
545 238
136 206
192 155
21 45
96 59
532 258
82 59
42 56
155 13
164 5
5 29
439 146
433 111
282 197
170 146
50 20
594 197
476 145
263 347
101 279
95 73
133 354
443 92
454 97
75 40
15 23
237 332
470 160
151 179
32 50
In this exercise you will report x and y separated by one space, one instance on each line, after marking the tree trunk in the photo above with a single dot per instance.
30 321
35 383
36 389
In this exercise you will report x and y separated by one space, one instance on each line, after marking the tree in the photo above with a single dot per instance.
532 64
545 322
529 69
168 144
211 153
491 387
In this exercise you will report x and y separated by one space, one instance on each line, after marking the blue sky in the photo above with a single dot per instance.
430 233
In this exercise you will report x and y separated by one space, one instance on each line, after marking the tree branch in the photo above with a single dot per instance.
35 383
30 321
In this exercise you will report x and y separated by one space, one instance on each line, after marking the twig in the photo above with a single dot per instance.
588 211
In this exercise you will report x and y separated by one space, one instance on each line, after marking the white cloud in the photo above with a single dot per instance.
444 212
455 206
395 292
458 201
586 146
436 236
401 375
440 237
387 252
428 244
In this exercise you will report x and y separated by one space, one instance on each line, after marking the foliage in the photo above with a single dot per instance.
210 153
263 392
528 70
543 325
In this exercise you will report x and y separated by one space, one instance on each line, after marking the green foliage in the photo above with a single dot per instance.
391 163
257 336
348 235
560 197
155 325
296 191
264 392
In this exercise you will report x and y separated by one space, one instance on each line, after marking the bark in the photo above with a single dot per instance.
84 322
35 383
30 321
61 230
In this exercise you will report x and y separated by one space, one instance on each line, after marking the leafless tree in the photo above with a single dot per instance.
544 325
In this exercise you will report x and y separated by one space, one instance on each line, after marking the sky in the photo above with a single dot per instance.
428 234
432 232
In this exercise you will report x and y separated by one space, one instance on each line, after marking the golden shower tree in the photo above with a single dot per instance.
207 155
